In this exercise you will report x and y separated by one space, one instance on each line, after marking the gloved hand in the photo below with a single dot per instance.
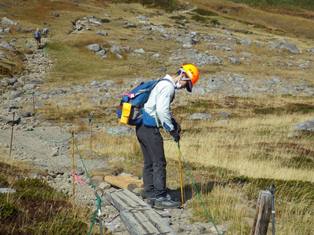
175 135
176 125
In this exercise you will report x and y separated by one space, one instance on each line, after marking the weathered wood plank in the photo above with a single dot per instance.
138 217
160 223
134 197
263 213
132 224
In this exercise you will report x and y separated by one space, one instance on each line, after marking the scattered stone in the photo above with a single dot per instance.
234 60
311 50
55 152
30 86
55 14
200 116
102 33
285 45
16 94
7 190
11 81
95 47
119 130
139 51
156 55
115 49
199 58
104 185
7 22
245 42
224 115
129 25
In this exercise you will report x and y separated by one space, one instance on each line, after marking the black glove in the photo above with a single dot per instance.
175 135
176 125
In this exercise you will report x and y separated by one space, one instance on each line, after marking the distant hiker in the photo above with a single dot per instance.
37 36
156 114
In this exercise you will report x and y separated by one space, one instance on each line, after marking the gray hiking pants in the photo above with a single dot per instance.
154 170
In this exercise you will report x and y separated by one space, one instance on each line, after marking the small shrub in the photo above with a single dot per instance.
35 189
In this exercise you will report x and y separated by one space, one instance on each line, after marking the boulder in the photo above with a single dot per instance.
285 45
307 126
7 22
95 47
6 45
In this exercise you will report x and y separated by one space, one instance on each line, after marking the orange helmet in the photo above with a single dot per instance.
192 73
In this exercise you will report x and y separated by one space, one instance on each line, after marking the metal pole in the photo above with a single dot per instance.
12 129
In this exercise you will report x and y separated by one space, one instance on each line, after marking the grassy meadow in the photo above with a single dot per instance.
231 158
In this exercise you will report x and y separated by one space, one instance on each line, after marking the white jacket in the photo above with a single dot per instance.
157 108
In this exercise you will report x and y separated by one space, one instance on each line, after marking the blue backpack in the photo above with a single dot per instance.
131 104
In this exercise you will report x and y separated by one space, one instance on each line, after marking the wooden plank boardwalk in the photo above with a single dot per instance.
138 217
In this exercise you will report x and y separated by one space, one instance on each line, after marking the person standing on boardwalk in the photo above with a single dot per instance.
156 114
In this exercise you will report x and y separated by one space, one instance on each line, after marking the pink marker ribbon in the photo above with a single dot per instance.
77 179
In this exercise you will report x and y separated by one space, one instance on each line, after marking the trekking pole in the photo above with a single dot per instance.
181 174
12 129
272 190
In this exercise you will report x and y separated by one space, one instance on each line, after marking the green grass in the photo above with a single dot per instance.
290 4
36 208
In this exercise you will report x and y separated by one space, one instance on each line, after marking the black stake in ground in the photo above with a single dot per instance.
34 110
12 130
90 121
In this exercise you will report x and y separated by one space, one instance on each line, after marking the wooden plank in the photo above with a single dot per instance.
160 223
132 224
134 197
131 203
124 181
141 218
138 217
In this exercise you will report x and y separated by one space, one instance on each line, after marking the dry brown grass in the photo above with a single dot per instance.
297 26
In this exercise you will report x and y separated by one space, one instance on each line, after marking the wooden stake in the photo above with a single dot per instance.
73 167
12 130
263 213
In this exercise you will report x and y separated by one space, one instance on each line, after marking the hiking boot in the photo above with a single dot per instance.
165 202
